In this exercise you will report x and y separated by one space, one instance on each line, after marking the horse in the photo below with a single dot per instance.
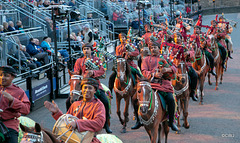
151 112
182 91
202 68
37 135
217 61
124 89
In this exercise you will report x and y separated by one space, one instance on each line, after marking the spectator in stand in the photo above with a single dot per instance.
88 36
40 4
11 26
18 25
188 10
103 8
89 16
162 4
135 26
46 3
46 45
1 29
80 37
71 3
115 17
33 51
36 41
5 27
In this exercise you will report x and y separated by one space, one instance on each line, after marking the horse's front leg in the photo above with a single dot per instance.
159 133
209 79
185 113
118 102
201 89
154 133
125 113
166 130
221 74
217 75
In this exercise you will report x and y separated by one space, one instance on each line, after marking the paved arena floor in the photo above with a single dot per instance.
217 121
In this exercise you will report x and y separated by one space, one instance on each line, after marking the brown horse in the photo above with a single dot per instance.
202 68
217 61
182 91
151 112
37 135
124 89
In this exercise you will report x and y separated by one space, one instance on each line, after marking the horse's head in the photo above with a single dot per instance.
212 42
32 134
144 96
181 73
121 68
75 87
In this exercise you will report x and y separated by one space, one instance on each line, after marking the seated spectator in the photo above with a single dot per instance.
40 4
5 27
115 17
88 35
135 26
46 45
11 26
80 37
72 3
1 29
33 51
26 58
36 41
46 3
89 16
18 25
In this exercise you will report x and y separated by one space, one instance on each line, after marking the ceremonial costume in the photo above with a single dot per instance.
80 68
12 110
163 85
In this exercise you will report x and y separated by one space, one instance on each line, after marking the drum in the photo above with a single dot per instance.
68 136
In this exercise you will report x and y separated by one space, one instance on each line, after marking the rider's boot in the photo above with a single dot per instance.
229 55
107 129
171 110
193 82
211 60
138 123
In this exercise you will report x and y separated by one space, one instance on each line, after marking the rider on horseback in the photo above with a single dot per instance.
80 69
121 51
229 29
189 55
161 81
203 46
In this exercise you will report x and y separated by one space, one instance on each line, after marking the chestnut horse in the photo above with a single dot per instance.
37 135
182 91
124 89
202 68
217 61
151 112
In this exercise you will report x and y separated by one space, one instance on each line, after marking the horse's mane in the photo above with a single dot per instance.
51 135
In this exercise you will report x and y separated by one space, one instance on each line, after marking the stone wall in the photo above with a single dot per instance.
208 4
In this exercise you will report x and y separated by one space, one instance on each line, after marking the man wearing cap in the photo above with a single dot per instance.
13 102
160 72
81 69
89 108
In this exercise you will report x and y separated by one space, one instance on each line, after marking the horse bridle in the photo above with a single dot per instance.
121 73
33 137
149 101
179 92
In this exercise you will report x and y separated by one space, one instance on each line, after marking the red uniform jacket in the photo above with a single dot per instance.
149 65
79 65
146 37
93 110
11 111
120 49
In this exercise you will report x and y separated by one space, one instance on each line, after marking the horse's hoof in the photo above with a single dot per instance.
220 82
123 130
216 88
201 103
187 126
